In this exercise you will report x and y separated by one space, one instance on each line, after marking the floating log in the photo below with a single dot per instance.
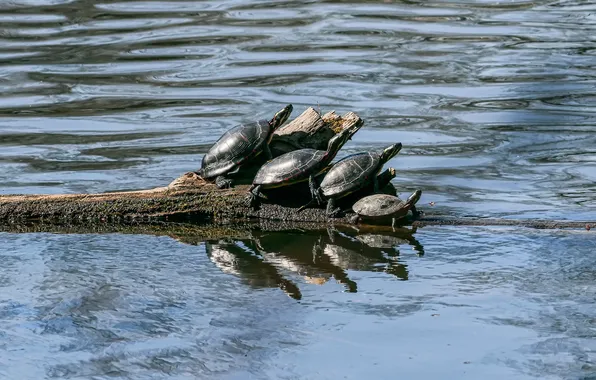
190 198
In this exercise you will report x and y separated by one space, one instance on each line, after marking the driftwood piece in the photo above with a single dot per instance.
189 198
309 130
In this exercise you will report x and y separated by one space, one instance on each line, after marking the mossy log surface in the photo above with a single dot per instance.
187 198
190 198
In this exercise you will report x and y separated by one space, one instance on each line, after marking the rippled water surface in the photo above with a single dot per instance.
493 101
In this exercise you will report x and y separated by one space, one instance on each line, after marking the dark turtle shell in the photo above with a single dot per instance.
384 205
350 174
234 147
289 168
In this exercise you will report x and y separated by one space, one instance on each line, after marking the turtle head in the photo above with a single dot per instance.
385 177
414 198
389 152
281 117
337 141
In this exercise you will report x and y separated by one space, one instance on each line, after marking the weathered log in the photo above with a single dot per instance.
310 130
189 196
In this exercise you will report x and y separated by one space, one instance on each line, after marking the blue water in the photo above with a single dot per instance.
493 102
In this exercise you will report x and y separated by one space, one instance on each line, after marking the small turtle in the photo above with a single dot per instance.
298 166
353 173
383 207
238 145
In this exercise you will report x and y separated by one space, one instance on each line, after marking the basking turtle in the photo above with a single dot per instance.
298 166
383 207
239 144
353 173
383 179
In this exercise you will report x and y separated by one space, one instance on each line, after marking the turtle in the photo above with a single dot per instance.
238 145
354 173
383 179
384 207
298 166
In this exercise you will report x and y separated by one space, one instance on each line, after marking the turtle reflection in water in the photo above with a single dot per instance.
286 259
405 237
230 258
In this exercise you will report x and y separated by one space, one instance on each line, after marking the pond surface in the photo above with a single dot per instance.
493 101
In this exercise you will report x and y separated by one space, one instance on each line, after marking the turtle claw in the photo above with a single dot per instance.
335 213
252 198
315 190
303 207
318 198
354 219
252 201
223 183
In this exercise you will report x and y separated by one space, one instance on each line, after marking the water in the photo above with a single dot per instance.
493 102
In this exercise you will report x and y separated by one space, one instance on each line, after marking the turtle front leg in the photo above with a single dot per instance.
314 190
332 211
267 152
415 212
200 173
375 185
252 198
222 182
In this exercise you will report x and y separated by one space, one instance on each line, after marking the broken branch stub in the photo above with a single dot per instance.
311 130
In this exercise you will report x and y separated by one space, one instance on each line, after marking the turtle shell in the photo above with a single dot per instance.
289 168
380 205
234 147
385 205
350 174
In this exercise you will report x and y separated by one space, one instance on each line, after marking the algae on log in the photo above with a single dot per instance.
187 197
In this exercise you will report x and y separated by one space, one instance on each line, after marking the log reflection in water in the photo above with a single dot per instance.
273 254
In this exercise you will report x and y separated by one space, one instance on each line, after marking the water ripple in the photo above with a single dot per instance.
483 95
